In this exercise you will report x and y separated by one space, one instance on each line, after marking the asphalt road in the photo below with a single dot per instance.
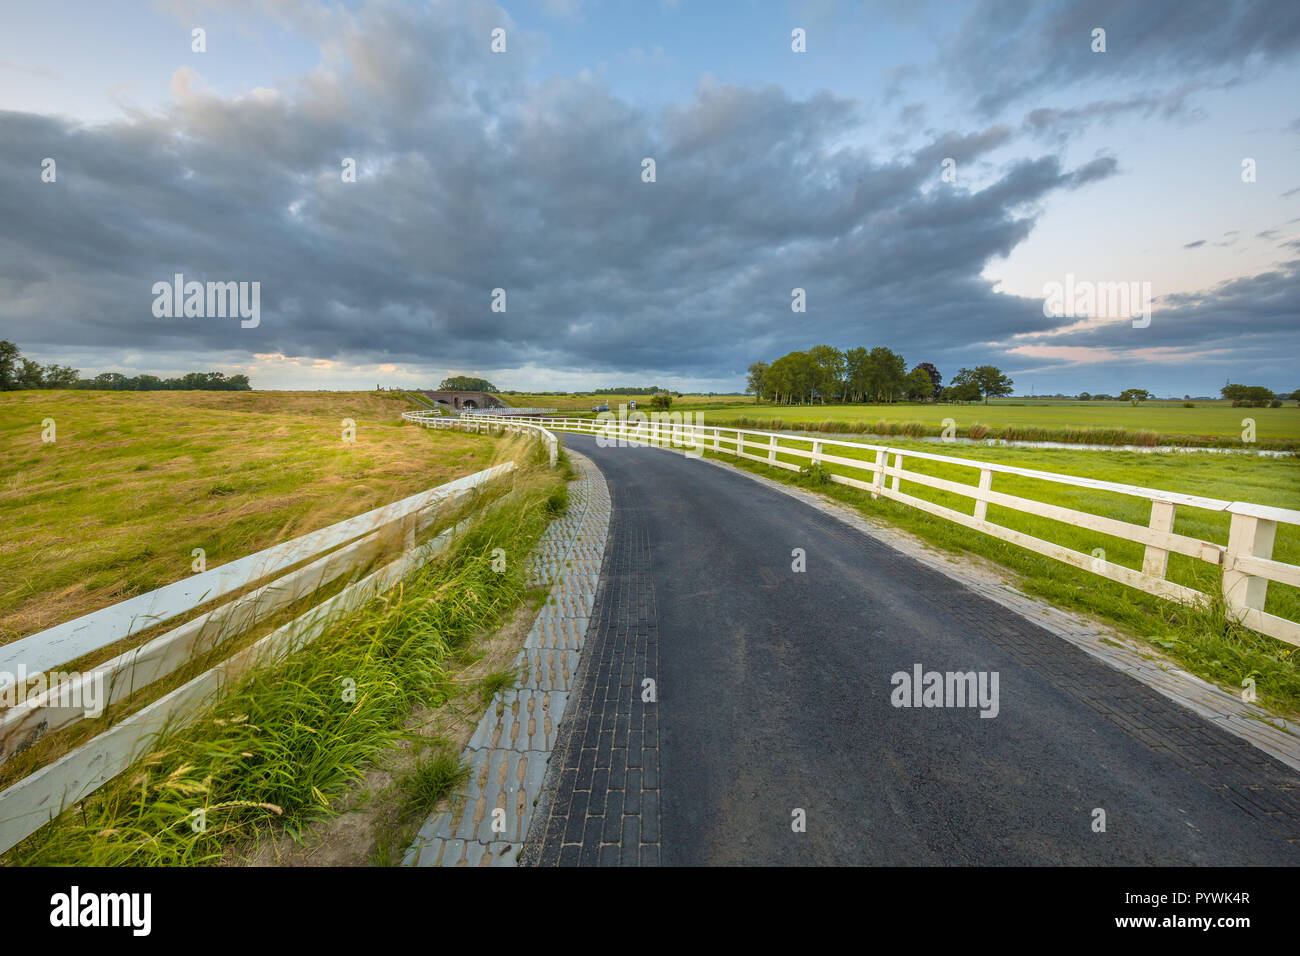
774 696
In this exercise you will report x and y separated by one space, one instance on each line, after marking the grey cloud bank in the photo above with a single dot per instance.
472 176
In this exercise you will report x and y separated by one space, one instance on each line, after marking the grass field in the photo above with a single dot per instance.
1218 420
1204 643
134 481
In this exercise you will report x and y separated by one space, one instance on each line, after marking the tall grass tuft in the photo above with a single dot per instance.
431 780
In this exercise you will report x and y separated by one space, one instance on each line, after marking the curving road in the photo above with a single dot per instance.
774 696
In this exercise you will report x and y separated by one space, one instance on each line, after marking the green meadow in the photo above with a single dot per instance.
1104 422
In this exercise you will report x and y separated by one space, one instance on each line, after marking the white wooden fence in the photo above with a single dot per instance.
490 424
1246 560
505 412
282 579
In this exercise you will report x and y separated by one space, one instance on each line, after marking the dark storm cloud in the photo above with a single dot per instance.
470 178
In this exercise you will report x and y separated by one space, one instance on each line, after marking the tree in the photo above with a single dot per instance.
963 388
936 380
805 371
856 365
61 376
757 379
1254 396
794 378
886 374
1135 396
827 368
778 379
463 383
1085 397
992 382
919 386
662 401
31 375
8 363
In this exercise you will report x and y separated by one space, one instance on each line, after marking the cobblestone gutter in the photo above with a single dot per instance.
510 748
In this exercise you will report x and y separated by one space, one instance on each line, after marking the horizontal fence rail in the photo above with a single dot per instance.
489 424
1246 561
506 412
282 578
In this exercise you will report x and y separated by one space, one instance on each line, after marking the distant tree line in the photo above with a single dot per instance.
649 390
824 373
17 373
1253 396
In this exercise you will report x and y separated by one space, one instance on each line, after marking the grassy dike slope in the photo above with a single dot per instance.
134 481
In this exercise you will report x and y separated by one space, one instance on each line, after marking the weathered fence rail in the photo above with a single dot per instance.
487 424
280 576
505 412
1245 561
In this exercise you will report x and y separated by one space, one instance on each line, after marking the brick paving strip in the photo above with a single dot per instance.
600 800
1268 732
512 744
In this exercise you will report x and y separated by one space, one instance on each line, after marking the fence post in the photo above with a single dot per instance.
982 506
716 432
898 464
817 452
878 479
1251 536
1155 561
771 448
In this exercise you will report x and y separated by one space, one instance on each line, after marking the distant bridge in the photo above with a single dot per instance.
462 400
473 403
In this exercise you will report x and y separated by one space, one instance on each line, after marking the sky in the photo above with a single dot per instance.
928 173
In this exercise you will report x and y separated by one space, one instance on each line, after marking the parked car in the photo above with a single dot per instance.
600 408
